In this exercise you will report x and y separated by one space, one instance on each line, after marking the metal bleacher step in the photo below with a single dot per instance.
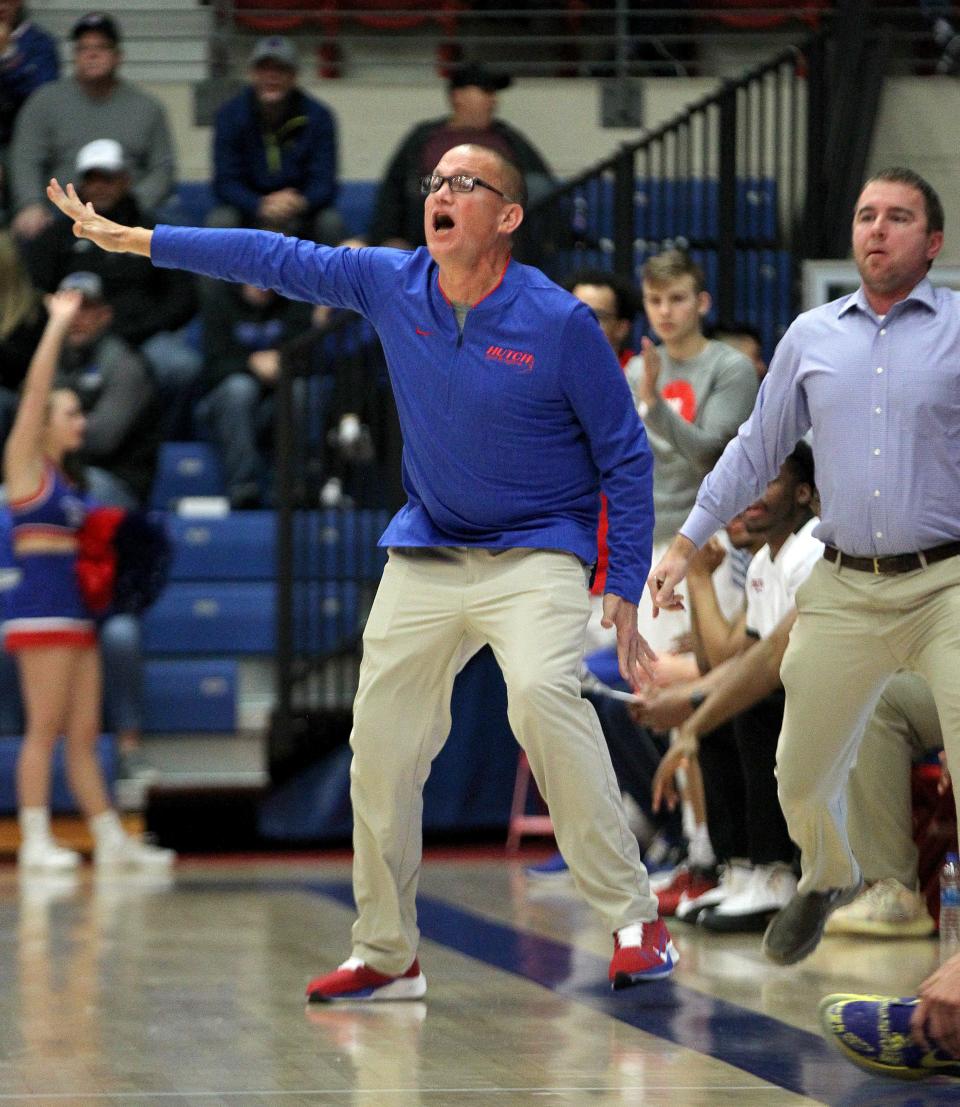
162 40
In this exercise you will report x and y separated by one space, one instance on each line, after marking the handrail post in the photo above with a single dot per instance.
623 220
286 486
727 185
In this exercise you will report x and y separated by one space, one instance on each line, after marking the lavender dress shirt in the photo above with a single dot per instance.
882 397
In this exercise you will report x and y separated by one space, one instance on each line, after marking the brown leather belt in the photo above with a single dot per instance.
895 563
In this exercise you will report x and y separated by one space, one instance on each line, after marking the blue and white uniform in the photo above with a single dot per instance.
45 607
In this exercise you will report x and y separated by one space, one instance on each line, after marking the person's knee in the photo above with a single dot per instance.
43 732
535 692
233 399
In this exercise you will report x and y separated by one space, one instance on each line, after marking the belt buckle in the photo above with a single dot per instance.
876 566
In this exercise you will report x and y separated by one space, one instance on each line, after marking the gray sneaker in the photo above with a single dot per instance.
795 930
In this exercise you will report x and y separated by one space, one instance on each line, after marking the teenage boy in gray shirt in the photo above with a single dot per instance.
692 394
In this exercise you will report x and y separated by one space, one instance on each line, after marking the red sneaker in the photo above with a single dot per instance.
356 982
642 951
686 882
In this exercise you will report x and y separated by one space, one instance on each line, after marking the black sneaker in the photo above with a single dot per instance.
795 931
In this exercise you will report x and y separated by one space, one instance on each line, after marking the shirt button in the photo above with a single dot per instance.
876 492
879 533
876 453
883 330
879 368
877 410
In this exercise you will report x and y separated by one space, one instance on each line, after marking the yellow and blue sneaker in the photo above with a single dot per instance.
874 1033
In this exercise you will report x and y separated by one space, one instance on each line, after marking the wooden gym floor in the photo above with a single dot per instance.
189 990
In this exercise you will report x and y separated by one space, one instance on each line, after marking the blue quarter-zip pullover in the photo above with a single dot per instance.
510 428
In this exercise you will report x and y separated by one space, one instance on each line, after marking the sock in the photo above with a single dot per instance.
35 823
107 829
700 851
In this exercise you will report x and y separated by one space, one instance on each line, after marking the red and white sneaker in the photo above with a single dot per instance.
688 882
355 981
642 951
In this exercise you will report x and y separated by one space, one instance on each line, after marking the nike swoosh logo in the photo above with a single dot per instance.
421 331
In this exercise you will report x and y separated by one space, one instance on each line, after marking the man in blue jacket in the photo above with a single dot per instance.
514 414
275 152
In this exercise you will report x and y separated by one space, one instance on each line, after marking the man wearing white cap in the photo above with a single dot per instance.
150 307
275 152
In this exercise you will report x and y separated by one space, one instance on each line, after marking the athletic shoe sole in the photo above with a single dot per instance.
414 987
800 952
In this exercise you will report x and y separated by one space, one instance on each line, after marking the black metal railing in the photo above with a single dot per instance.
750 180
335 493
608 39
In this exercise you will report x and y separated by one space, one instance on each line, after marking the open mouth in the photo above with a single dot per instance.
442 222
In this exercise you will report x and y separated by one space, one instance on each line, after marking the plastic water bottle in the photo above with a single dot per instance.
950 907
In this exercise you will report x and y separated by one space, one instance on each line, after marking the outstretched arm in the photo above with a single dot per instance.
22 454
103 232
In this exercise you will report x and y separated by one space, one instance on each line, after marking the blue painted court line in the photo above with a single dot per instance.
793 1059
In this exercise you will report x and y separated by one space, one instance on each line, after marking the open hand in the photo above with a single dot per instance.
633 652
664 779
87 223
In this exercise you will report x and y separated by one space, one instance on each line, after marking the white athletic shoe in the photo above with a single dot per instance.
44 855
132 853
768 889
884 910
733 879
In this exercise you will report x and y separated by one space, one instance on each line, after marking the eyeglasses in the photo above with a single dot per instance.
458 183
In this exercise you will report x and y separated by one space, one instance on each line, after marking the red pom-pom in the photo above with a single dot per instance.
97 558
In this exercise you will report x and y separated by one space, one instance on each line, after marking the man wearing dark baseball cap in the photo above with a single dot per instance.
275 152
472 92
93 103
98 22
472 73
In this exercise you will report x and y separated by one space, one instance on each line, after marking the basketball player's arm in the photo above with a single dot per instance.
103 232
742 682
745 681
718 637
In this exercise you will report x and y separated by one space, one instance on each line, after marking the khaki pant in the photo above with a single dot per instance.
532 607
854 630
904 727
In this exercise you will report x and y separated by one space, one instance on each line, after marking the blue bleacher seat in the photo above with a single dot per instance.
212 618
186 469
340 544
240 546
193 201
238 618
190 695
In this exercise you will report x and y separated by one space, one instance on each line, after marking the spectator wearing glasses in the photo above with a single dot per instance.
472 93
94 102
514 414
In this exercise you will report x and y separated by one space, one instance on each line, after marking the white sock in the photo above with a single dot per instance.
35 823
107 829
699 850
